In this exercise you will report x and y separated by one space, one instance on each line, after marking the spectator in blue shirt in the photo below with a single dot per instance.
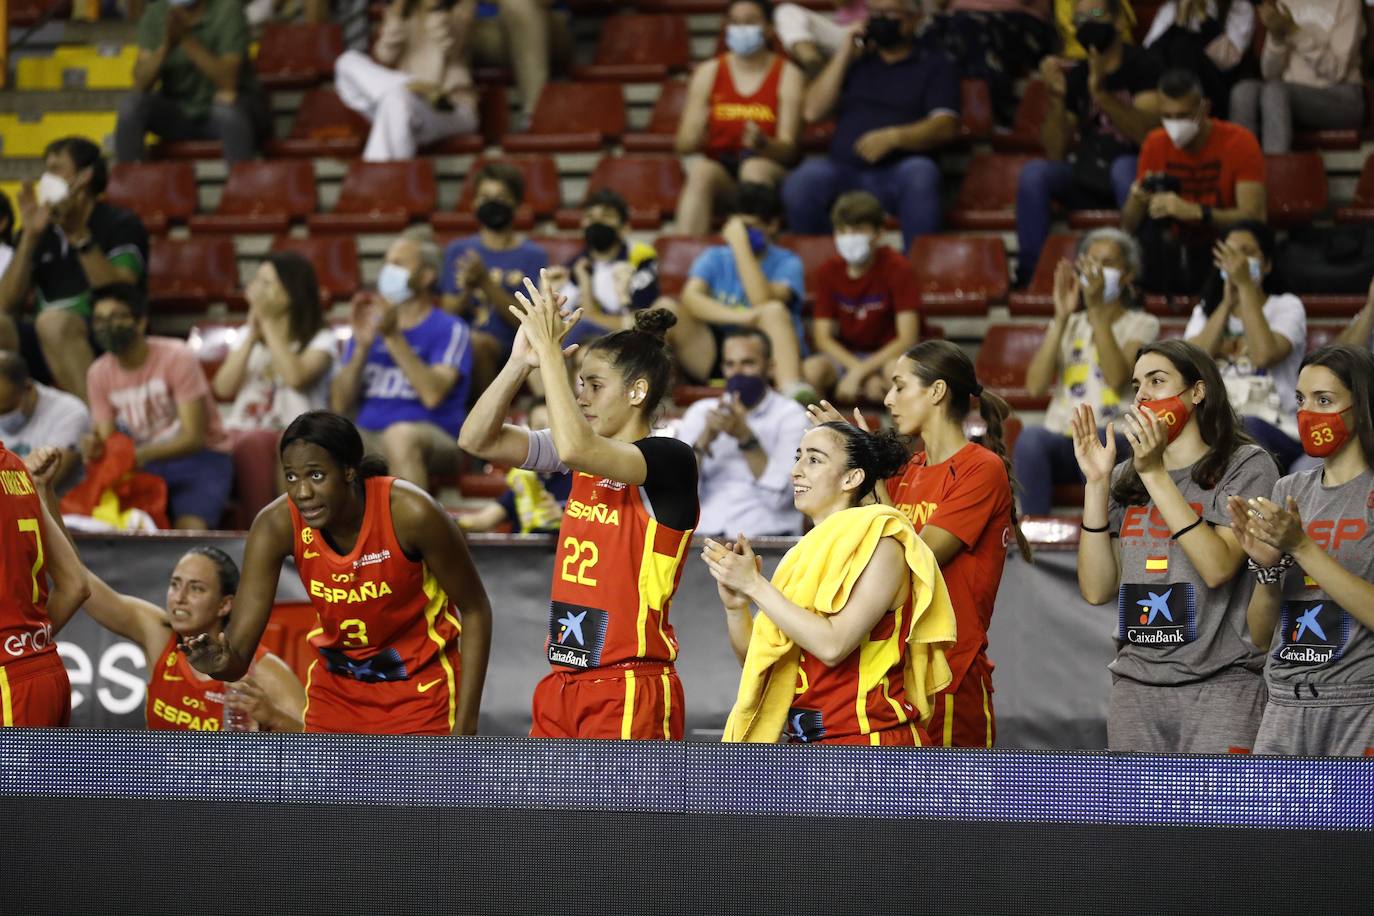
893 102
482 272
747 282
408 367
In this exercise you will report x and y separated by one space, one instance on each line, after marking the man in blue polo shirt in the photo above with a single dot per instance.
893 102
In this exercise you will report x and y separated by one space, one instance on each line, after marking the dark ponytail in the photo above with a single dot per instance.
642 353
337 436
940 360
879 455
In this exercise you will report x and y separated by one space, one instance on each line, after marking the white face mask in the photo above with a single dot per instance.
1181 131
1111 284
854 247
744 39
1256 271
393 282
52 189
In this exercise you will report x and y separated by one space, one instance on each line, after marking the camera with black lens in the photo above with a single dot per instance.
1161 183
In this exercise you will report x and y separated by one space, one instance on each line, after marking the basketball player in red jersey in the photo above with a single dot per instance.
626 527
851 683
385 568
958 495
34 689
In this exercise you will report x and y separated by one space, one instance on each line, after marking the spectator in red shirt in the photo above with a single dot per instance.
866 303
1196 175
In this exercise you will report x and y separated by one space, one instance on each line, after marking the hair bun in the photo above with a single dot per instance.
654 322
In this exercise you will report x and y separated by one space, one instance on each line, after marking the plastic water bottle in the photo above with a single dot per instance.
235 719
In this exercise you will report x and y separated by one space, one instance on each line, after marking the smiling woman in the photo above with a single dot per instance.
386 568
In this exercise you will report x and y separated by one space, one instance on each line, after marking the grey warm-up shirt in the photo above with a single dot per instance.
1171 628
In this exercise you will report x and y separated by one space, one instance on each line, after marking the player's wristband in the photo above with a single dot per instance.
1270 575
1180 533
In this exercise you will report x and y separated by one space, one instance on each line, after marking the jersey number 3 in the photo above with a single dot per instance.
586 552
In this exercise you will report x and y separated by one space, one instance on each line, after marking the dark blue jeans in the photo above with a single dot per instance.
1044 181
909 188
1043 460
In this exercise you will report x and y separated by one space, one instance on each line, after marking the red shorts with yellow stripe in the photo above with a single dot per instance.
637 700
908 735
35 691
963 716
426 703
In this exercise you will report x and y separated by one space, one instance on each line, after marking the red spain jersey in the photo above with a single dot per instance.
863 695
25 630
969 496
615 572
730 110
382 616
179 700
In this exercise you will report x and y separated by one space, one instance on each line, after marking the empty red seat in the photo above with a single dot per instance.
543 195
297 55
1361 209
189 274
324 126
959 275
561 249
1329 305
639 49
675 256
263 196
661 130
188 149
335 259
1296 187
1038 296
987 196
1003 357
572 117
381 197
975 110
1024 135
159 192
1319 335
649 184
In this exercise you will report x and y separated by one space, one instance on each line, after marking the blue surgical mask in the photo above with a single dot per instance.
12 422
1256 271
393 282
758 240
744 39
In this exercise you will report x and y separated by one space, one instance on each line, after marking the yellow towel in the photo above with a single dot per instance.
818 573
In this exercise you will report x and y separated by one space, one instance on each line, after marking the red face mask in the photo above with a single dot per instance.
1322 434
1173 411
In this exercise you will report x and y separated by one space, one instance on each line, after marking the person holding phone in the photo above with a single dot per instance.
744 441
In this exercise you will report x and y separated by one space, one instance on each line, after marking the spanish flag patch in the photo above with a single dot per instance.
1309 582
1157 564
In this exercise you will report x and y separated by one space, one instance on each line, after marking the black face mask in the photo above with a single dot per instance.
1096 35
601 237
885 31
495 214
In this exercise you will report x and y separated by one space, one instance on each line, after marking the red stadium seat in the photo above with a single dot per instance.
1319 335
1003 357
159 192
975 110
987 196
381 197
1038 296
687 395
335 259
561 249
1083 220
814 251
1361 209
1296 186
661 130
649 184
959 275
189 274
262 196
187 149
1325 305
493 116
675 256
1172 328
324 126
1024 136
28 12
543 195
297 55
572 117
1346 139
639 49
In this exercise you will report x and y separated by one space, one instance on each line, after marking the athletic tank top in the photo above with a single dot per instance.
863 694
615 572
382 616
25 630
729 110
180 701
